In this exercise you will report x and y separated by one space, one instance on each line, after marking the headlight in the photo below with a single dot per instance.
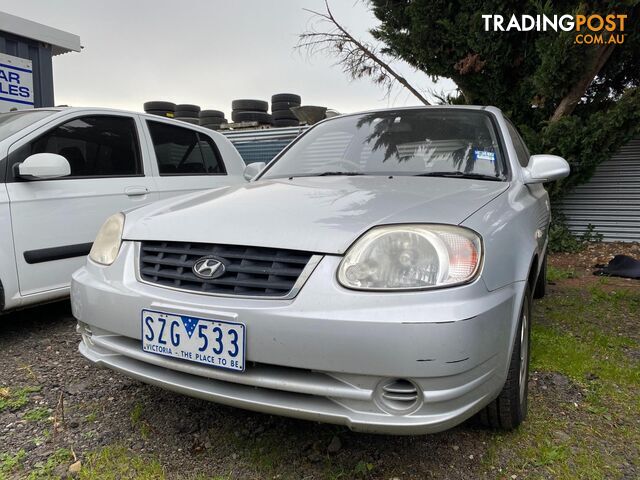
107 244
405 257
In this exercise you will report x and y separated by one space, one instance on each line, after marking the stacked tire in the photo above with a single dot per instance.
188 113
162 109
212 119
246 110
281 105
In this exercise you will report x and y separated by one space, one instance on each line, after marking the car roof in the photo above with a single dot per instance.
66 110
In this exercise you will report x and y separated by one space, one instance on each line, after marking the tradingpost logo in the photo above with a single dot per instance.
590 29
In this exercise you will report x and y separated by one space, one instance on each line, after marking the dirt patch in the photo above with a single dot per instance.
580 266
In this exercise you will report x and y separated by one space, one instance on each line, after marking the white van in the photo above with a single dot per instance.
63 171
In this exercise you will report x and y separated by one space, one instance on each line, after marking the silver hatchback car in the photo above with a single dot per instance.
377 274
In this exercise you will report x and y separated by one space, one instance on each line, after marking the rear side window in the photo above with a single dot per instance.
94 146
181 151
521 149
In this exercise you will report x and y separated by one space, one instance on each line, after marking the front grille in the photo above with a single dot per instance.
250 271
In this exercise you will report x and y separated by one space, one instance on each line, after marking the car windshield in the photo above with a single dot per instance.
425 142
13 122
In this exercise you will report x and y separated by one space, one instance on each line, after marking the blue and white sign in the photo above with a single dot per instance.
16 83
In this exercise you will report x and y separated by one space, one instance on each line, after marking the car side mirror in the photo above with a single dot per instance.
41 166
545 168
253 169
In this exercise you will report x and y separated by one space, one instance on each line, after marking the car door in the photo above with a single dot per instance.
185 160
538 201
55 221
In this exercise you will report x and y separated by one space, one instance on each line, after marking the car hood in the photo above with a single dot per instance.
316 214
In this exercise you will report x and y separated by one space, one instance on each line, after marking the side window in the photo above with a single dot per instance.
181 151
94 146
521 149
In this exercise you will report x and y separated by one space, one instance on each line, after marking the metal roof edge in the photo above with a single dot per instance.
60 41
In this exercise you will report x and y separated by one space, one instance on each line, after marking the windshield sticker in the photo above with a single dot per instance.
484 155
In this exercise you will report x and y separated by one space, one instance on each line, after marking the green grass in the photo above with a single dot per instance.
37 414
118 463
15 399
554 274
91 417
136 413
11 463
582 334
42 471
137 420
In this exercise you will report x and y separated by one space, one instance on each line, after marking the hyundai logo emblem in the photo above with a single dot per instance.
209 268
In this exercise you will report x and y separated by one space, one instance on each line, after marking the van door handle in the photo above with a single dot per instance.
136 191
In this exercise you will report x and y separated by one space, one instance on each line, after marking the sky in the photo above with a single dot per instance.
206 52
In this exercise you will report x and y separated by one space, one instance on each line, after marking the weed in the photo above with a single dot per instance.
37 414
554 274
117 462
46 470
363 468
11 463
15 400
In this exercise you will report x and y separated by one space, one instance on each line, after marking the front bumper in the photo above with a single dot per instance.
323 355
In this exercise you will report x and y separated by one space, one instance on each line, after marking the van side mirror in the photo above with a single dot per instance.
545 168
253 169
41 166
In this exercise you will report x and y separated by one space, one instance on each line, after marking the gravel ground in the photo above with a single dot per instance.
72 405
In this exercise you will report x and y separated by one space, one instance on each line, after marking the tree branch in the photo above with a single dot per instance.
567 105
357 59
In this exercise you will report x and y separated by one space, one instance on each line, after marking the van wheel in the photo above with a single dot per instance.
541 282
510 408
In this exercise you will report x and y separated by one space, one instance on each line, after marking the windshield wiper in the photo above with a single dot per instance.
459 174
330 174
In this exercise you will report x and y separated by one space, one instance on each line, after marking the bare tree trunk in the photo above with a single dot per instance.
572 98
356 58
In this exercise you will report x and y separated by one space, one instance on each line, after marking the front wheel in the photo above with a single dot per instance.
510 408
541 284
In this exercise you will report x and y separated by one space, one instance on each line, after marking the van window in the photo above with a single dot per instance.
94 146
182 151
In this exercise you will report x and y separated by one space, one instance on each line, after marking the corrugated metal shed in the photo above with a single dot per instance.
610 201
262 145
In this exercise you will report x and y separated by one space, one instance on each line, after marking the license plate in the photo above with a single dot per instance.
212 342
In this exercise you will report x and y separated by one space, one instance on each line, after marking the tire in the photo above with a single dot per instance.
212 120
241 116
191 120
211 126
187 107
170 106
186 114
250 105
510 408
541 282
211 113
161 113
284 115
286 97
285 122
286 106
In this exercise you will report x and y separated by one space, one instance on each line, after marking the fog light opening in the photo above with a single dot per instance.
398 395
